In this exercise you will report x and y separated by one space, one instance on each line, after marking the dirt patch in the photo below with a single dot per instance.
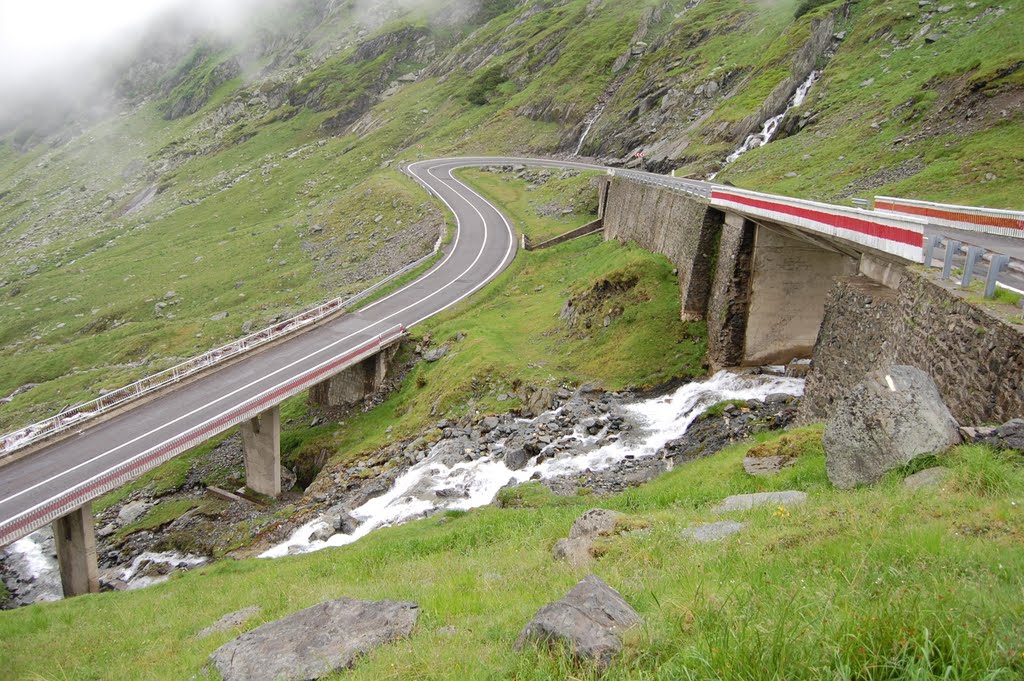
602 303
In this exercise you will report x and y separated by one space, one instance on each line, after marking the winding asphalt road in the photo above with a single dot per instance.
47 483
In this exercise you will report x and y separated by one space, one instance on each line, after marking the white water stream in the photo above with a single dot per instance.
589 122
414 492
771 126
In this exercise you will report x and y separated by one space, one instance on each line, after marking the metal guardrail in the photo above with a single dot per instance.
998 263
75 415
700 190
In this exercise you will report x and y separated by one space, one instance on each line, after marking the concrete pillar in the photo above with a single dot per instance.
730 292
261 444
75 538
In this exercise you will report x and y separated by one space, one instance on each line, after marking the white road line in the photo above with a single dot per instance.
488 279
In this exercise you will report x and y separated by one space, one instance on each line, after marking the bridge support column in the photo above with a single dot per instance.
261 444
75 539
356 383
790 280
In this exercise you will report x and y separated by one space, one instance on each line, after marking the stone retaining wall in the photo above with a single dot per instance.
975 358
680 227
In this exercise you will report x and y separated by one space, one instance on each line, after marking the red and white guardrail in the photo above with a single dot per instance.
48 511
986 220
898 235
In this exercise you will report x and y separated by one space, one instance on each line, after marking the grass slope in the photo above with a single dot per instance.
876 583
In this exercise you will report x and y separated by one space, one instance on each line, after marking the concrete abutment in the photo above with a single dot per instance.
351 386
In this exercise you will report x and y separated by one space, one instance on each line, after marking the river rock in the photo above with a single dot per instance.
314 642
892 417
745 502
589 621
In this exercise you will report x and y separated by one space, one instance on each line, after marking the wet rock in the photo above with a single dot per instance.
929 477
230 621
712 532
588 621
338 518
892 417
315 642
323 533
745 502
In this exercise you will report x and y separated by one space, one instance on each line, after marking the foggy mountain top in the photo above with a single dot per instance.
69 52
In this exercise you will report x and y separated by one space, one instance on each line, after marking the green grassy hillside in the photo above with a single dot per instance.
878 583
262 195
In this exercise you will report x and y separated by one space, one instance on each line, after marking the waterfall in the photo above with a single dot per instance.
588 123
768 130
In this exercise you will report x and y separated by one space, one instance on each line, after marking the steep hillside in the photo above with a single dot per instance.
231 178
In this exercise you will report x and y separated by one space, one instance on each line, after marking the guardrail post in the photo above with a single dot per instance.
930 243
973 255
998 265
952 249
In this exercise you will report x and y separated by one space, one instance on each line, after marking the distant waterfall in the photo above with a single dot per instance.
588 123
771 126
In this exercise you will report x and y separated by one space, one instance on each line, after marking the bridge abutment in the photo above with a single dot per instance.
789 283
351 386
261 444
75 538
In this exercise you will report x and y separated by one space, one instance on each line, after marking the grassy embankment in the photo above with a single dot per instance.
876 583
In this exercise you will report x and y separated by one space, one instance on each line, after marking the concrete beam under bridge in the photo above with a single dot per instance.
75 538
261 446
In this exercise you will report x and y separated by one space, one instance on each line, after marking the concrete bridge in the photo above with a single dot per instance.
757 267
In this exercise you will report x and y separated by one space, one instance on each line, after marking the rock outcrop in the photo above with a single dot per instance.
577 549
894 416
314 642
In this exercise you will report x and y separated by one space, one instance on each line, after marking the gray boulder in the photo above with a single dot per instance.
314 642
711 532
434 354
745 502
589 621
892 417
230 621
1010 435
132 511
929 477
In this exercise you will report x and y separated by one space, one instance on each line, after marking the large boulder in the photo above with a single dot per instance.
314 642
892 417
589 621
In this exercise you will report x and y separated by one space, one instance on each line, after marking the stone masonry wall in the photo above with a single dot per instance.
976 359
683 229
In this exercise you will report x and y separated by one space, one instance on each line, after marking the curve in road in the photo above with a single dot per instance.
61 476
